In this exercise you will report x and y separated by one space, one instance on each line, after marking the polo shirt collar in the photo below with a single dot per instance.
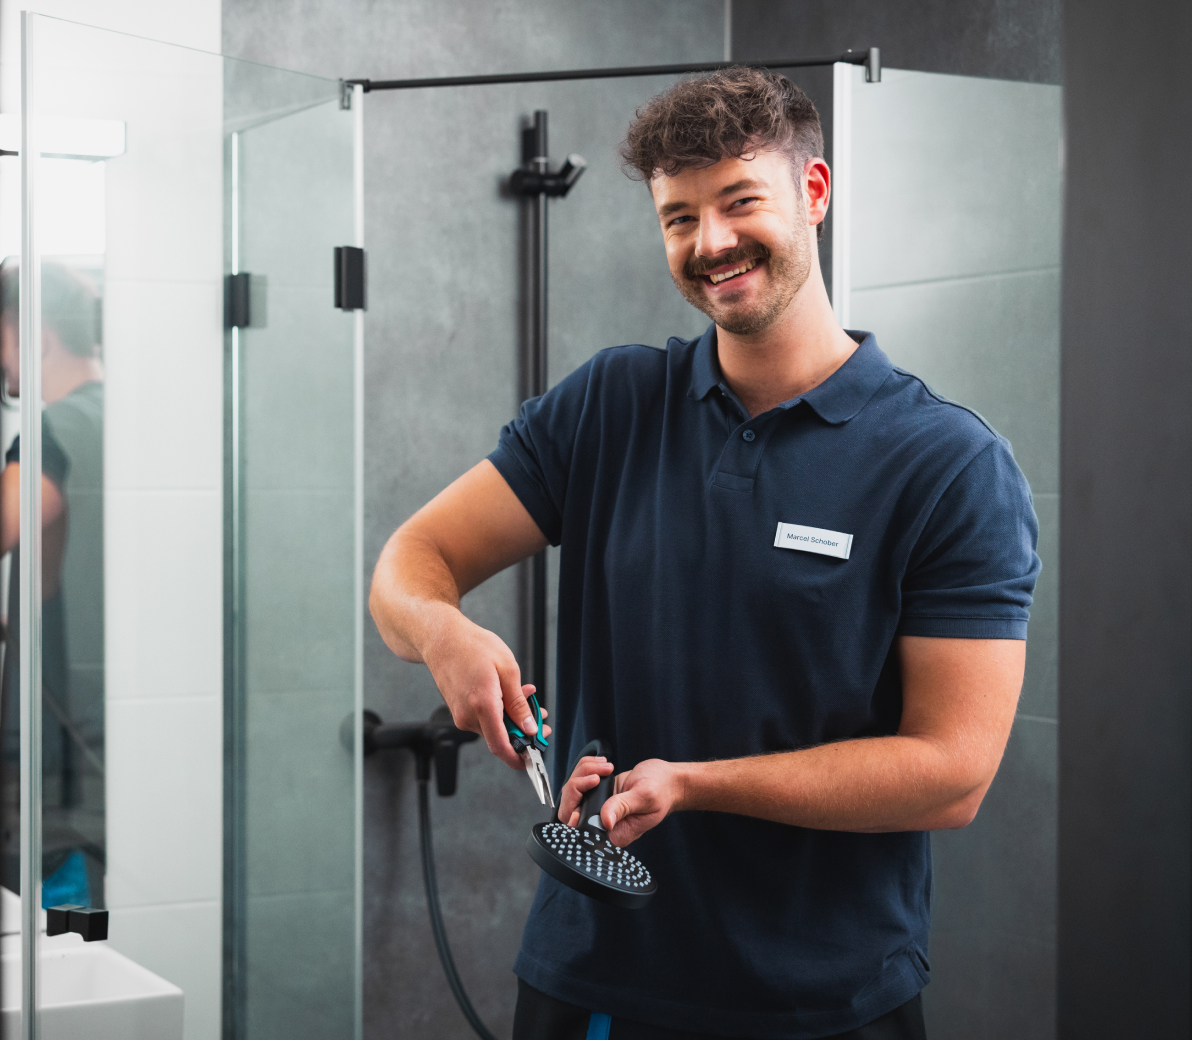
836 400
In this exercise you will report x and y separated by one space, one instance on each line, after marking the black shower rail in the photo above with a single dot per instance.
870 58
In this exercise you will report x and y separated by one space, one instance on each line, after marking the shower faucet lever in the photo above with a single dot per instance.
436 741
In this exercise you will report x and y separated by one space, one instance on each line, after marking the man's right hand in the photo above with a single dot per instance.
480 680
467 533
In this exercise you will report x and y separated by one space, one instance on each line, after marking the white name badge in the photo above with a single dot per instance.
814 539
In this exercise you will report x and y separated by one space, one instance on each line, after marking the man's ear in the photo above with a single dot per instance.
817 189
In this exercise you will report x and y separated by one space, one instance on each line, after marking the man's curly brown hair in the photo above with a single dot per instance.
723 115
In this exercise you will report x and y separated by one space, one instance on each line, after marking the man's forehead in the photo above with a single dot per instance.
729 175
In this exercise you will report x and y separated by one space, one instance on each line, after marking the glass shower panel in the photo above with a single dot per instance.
295 584
198 613
952 193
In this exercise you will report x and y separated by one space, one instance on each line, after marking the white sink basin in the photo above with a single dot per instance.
89 990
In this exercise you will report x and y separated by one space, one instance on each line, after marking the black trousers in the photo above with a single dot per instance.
539 1017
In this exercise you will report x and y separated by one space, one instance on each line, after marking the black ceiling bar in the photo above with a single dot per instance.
871 58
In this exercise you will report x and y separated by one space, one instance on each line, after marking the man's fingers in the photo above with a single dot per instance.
588 772
492 728
627 803
515 704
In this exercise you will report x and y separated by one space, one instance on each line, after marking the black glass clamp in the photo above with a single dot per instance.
89 923
349 278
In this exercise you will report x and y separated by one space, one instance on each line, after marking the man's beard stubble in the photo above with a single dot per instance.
788 271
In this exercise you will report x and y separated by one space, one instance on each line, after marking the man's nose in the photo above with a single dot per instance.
715 235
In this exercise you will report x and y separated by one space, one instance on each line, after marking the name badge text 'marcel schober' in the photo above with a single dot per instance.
814 540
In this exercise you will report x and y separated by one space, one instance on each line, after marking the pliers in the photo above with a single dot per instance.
530 749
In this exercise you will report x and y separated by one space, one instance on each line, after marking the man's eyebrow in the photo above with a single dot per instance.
728 189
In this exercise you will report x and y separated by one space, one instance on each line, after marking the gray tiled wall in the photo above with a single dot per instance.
956 269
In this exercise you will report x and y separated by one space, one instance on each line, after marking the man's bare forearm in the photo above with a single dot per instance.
467 533
414 594
894 783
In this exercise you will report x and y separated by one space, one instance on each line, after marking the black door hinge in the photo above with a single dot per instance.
238 301
349 278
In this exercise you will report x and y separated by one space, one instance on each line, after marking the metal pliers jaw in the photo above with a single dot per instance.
530 749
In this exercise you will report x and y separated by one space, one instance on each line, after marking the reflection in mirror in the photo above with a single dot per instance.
72 550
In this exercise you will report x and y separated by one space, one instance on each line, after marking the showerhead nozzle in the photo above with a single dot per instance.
584 859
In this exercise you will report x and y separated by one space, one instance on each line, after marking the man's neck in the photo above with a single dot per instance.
66 374
798 352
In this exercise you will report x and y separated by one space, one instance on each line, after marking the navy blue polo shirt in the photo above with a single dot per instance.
685 633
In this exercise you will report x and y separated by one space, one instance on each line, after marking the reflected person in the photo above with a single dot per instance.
72 586
793 596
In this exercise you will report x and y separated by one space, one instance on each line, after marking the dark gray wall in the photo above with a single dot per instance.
441 379
1125 646
1001 39
994 931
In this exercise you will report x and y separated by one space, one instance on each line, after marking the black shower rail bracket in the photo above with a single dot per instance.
869 57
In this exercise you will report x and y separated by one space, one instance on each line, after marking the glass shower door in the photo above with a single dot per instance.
185 618
946 245
294 574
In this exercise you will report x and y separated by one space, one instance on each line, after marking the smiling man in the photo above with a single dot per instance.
793 596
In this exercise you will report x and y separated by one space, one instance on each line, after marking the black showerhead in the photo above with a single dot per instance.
584 859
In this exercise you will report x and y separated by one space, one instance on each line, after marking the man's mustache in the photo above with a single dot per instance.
701 265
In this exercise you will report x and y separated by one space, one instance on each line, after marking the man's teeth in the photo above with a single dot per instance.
749 265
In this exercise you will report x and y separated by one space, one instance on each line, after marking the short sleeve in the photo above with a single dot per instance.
973 570
534 452
54 463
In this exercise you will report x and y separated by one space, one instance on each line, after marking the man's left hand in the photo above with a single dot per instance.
644 797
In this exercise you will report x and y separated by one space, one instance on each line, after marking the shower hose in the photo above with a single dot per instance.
436 916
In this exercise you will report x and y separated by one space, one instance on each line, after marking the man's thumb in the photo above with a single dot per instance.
518 708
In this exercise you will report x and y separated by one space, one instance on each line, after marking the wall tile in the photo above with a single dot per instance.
1039 689
163 585
990 985
164 762
299 591
297 388
163 404
300 793
993 939
182 944
935 194
295 987
991 344
299 164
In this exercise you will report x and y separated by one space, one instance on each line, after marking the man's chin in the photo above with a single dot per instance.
742 320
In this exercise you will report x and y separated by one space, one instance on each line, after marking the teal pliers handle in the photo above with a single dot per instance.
516 736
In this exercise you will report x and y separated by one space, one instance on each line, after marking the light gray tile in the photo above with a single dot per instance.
427 38
994 912
299 591
296 196
297 390
299 793
991 344
1039 688
298 983
988 986
953 176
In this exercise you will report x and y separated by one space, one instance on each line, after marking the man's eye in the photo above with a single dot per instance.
679 220
744 201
